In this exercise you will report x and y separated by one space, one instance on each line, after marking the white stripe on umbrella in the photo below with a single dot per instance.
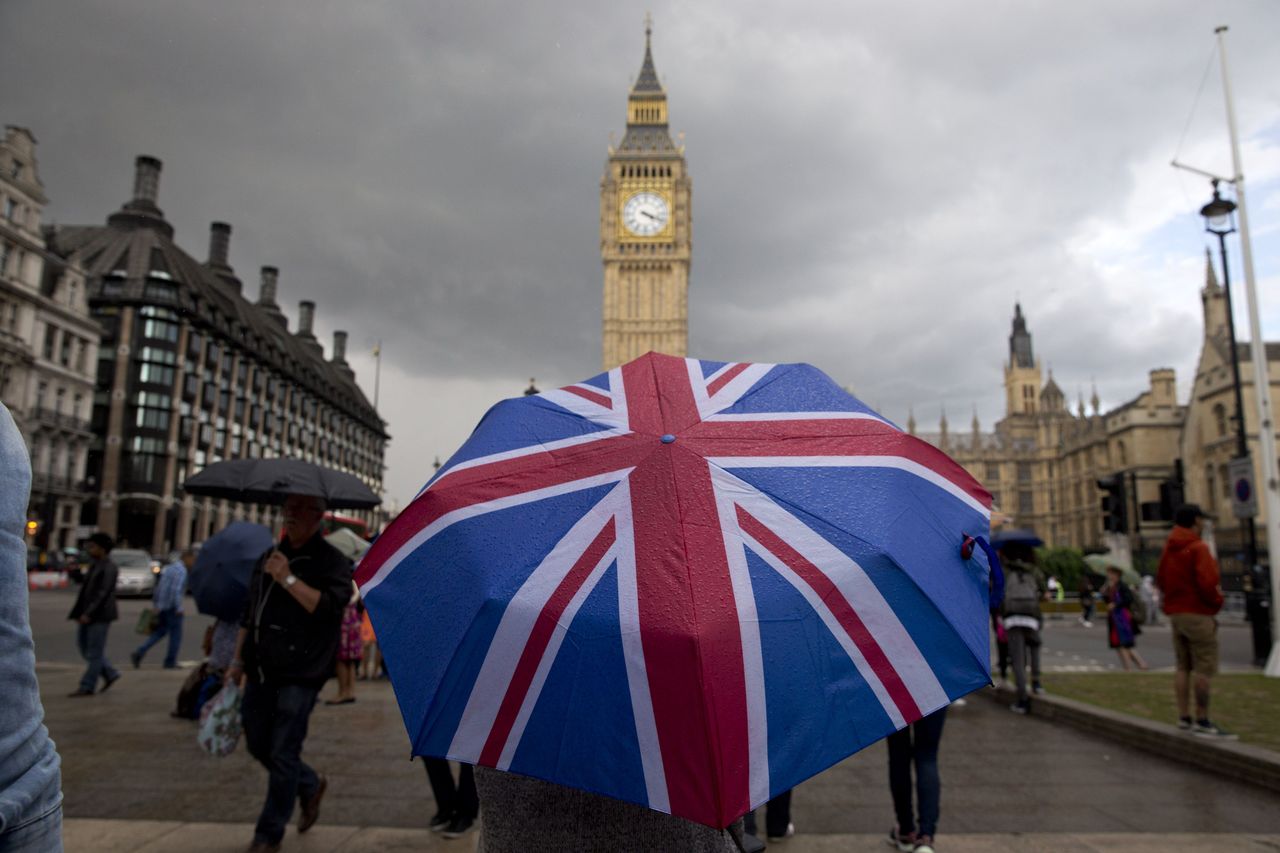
655 776
513 632
897 462
752 654
859 592
444 521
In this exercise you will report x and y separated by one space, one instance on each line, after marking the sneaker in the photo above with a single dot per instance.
1184 723
960 703
1037 689
791 830
905 843
1023 707
925 844
1204 728
440 821
459 826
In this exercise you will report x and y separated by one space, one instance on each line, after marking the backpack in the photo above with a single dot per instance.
1021 593
1137 607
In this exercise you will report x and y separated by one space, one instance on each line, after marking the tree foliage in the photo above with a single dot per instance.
1063 562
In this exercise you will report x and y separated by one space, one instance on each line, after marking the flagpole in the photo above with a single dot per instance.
377 372
1261 379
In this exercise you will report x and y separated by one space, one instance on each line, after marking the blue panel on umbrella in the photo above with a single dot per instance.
817 702
518 424
457 594
583 722
798 387
600 380
710 367
894 512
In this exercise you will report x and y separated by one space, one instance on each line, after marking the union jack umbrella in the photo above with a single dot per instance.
685 584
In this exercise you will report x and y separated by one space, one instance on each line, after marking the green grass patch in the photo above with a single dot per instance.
1244 703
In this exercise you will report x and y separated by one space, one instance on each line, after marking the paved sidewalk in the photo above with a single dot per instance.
155 836
126 760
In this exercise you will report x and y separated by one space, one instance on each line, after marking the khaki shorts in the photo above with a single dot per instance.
1195 642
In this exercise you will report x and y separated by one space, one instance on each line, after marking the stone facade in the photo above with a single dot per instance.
48 348
645 231
191 373
1042 461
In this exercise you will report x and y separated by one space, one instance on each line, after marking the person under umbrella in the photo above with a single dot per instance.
647 585
285 652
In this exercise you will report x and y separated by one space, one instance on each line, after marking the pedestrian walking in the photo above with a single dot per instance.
350 649
916 746
285 652
166 600
1085 590
1191 596
369 655
94 611
457 805
1023 591
30 770
1122 627
1150 596
777 818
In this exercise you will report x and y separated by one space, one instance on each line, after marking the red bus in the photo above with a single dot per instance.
333 521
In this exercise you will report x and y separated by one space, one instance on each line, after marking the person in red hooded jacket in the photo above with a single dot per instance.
1192 596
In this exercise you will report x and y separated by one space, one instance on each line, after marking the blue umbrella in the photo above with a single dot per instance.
220 581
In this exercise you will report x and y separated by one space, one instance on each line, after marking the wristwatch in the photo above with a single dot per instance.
290 580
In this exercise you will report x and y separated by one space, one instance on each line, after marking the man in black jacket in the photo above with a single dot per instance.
95 610
287 648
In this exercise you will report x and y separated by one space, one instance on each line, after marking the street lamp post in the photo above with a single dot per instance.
1219 216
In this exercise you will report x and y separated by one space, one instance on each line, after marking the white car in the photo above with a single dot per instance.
138 571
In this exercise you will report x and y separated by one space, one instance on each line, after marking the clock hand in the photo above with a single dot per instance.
648 214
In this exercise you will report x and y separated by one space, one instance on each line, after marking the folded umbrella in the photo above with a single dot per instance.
219 580
686 584
270 481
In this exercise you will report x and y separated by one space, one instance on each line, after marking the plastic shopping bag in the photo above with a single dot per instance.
220 722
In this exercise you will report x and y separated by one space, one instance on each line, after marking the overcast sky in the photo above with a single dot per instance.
874 184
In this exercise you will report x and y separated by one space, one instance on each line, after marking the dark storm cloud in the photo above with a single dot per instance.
874 185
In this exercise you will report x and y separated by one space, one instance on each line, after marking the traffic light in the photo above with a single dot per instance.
1115 517
32 527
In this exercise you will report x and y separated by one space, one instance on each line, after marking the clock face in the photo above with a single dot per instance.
645 214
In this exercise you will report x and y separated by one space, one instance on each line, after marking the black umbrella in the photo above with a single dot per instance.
270 481
220 578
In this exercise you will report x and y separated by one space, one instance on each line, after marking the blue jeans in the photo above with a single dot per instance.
918 744
92 642
275 725
30 775
167 622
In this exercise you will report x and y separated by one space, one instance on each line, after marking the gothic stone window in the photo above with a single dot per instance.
1220 418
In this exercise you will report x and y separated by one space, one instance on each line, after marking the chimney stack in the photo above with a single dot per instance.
219 243
267 292
146 179
306 316
339 347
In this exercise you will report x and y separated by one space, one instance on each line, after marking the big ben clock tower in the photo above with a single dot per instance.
645 225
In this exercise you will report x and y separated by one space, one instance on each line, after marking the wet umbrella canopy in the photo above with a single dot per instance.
686 584
270 481
220 578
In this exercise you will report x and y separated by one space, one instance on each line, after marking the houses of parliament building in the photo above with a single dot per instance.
1043 459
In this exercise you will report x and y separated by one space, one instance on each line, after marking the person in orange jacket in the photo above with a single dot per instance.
1192 596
